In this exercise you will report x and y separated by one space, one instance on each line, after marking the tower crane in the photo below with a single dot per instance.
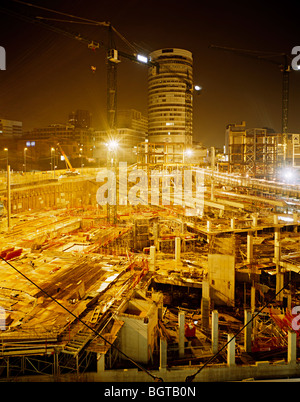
113 58
113 55
285 68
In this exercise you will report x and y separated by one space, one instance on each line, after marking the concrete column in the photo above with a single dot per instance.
231 350
295 220
212 190
100 362
247 331
177 248
249 248
295 217
55 365
181 322
252 299
205 302
156 235
152 258
277 244
208 225
292 347
215 331
163 354
277 256
232 223
8 197
254 220
279 284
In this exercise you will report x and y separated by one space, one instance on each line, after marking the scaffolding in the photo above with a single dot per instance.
163 153
253 153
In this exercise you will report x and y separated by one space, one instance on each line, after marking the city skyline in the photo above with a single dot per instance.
48 75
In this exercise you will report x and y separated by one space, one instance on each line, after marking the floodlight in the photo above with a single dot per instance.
112 145
189 152
142 59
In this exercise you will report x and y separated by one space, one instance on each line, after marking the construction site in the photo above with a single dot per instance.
151 291
179 267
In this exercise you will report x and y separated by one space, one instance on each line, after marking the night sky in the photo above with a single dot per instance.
48 75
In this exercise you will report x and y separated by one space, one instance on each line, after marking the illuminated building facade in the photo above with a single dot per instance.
10 128
170 100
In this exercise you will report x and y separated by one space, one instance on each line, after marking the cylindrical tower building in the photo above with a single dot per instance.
170 99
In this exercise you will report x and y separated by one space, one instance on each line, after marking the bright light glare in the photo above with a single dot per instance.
142 59
286 218
288 174
112 145
189 152
197 88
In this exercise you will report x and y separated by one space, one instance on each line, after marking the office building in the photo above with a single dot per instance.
170 100
10 128
80 119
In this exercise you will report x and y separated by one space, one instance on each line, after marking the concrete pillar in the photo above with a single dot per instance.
208 225
277 244
156 235
177 248
277 256
254 220
295 217
295 220
253 298
152 258
292 347
279 284
247 331
232 223
55 365
8 197
215 331
100 362
181 322
163 354
205 301
249 248
212 190
230 350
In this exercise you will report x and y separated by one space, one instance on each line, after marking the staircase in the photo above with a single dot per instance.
83 336
78 342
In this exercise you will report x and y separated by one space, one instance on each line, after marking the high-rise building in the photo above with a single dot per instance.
80 119
133 119
170 100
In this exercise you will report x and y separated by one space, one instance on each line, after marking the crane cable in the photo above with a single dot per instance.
154 377
103 23
82 20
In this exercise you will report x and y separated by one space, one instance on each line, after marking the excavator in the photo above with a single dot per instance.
70 170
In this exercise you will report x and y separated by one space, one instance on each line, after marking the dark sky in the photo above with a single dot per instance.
48 75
